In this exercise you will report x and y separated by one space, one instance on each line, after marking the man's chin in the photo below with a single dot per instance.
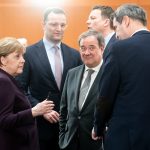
90 65
58 39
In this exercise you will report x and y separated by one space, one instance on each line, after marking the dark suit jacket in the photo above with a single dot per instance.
108 46
17 126
125 95
38 80
71 120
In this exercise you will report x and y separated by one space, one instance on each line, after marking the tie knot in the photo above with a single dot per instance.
57 52
90 71
56 47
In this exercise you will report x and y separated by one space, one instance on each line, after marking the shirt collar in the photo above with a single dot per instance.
108 37
142 29
49 44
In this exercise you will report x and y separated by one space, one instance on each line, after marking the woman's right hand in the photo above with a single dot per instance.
42 108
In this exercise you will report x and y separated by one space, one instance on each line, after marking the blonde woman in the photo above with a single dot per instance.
17 118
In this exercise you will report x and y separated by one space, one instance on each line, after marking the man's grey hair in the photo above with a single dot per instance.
94 33
131 10
55 10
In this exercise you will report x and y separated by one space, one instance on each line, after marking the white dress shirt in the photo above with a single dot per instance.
50 50
93 76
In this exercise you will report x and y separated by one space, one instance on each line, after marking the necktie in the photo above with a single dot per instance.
58 66
84 88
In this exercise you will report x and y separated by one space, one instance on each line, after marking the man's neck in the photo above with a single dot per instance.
107 32
55 42
136 26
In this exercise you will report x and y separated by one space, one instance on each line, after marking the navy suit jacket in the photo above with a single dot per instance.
17 126
108 46
124 100
72 120
38 80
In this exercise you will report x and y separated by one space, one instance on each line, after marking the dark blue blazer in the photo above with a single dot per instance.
124 101
17 126
38 80
108 46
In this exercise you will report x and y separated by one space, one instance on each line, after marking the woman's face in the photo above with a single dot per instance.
13 63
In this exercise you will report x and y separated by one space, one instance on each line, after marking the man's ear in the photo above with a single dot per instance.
107 22
126 21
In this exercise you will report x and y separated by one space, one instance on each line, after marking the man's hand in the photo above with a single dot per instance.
94 136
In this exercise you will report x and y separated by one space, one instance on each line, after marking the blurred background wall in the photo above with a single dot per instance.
23 18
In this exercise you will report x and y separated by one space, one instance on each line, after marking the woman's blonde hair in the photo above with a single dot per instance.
9 45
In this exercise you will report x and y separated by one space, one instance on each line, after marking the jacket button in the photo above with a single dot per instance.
79 117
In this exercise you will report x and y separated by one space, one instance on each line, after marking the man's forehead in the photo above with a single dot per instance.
89 41
95 12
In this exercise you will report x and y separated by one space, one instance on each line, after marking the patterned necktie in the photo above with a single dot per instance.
84 88
58 66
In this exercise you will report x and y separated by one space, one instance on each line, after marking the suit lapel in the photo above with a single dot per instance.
65 59
43 59
107 48
66 62
78 80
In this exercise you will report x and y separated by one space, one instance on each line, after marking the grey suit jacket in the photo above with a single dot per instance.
71 119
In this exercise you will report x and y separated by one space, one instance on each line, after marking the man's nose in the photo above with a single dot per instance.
88 22
87 52
58 27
